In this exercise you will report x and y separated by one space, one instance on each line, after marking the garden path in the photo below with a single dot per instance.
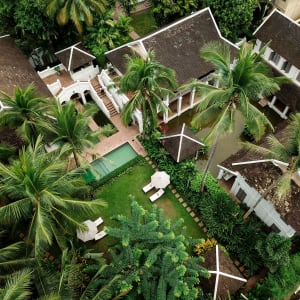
125 134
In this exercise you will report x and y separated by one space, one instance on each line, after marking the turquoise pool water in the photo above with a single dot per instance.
109 162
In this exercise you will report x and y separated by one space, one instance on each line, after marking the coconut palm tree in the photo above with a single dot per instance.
238 84
287 152
150 82
23 109
12 256
70 128
78 11
17 286
42 194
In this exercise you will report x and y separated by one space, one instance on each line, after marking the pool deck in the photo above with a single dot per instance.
107 144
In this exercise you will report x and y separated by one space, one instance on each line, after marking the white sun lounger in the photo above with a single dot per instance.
99 221
157 195
148 187
100 235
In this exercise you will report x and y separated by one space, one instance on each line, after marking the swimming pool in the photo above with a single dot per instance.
109 162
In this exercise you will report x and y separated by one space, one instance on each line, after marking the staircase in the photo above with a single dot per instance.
96 85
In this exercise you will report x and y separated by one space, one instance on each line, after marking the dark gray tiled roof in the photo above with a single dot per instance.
177 46
181 143
15 69
74 57
284 35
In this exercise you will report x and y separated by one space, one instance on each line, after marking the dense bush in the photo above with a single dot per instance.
220 214
278 285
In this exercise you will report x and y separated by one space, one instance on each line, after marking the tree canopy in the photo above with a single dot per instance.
234 17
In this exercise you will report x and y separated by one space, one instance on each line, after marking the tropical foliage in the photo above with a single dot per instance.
40 192
69 128
128 5
150 259
23 111
246 80
274 251
107 33
12 256
168 11
285 151
234 17
278 285
148 82
17 286
76 11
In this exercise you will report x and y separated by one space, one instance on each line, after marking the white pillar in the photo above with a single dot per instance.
281 62
179 104
257 46
192 97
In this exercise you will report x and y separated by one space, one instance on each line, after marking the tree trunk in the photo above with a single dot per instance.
251 209
76 159
211 155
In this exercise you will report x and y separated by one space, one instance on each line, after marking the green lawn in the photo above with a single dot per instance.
116 194
143 23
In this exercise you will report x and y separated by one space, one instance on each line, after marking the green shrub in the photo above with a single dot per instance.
278 285
274 250
221 215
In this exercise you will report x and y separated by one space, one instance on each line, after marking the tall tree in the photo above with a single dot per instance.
274 251
128 5
70 127
70 278
286 151
107 33
17 286
12 256
42 193
150 259
167 11
78 11
234 17
149 82
23 110
247 79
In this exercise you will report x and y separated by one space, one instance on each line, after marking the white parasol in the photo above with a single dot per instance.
160 179
90 233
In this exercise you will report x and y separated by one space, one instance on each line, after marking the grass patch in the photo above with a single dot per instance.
143 23
116 193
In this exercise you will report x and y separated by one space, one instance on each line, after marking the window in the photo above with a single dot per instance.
286 66
274 57
241 195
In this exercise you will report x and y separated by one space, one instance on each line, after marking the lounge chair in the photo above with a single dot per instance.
100 235
99 221
156 195
148 187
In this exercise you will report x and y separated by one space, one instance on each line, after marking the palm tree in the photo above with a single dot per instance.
287 152
70 128
42 193
248 79
23 110
12 256
17 286
149 82
78 11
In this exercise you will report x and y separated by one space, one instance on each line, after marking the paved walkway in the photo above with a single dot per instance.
125 134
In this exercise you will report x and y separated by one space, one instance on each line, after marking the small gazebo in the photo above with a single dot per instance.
181 143
78 62
225 277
